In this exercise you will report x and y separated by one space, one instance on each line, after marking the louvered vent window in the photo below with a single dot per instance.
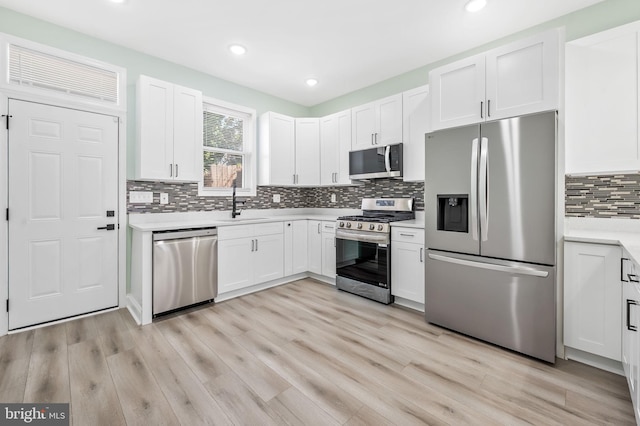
32 68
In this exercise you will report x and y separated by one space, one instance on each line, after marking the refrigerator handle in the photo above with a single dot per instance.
483 192
473 198
387 159
519 270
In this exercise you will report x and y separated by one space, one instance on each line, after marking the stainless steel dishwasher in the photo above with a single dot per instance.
185 268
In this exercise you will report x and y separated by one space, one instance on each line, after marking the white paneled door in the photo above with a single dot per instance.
63 181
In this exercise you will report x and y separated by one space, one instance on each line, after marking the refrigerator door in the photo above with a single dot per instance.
506 303
451 210
517 190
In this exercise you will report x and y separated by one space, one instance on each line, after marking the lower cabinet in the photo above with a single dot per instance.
249 254
407 263
592 294
295 247
630 329
321 247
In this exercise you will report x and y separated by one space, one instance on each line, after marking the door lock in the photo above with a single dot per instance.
109 227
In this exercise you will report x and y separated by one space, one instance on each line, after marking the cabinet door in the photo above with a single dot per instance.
235 267
457 93
363 126
154 148
268 262
307 151
407 271
388 120
187 134
592 294
314 233
281 147
415 122
344 146
601 93
523 77
329 150
300 259
329 254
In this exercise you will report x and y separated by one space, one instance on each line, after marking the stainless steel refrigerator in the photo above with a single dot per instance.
490 201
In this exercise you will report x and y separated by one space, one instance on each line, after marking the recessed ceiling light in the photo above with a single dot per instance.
475 5
312 82
237 49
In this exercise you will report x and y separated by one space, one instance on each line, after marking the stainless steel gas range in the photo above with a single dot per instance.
363 247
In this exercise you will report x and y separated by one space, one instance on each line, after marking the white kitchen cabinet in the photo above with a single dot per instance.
377 123
169 131
329 249
631 329
407 263
307 151
415 122
519 78
601 132
592 294
314 242
276 149
295 247
335 144
288 150
249 254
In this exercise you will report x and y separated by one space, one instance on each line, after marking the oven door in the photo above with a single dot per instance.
363 257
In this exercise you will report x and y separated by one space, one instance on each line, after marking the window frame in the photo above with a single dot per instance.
249 152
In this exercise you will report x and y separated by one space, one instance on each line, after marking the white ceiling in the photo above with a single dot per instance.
345 44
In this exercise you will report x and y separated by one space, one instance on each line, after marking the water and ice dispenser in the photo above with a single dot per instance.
453 213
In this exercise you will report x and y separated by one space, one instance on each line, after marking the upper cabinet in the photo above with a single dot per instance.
288 150
169 131
415 123
377 123
335 144
601 133
515 79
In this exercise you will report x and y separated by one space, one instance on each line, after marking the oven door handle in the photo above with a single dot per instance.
343 234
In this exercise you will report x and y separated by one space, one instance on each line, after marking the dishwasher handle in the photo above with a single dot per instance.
184 233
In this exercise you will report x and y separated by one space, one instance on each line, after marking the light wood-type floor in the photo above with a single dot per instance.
300 354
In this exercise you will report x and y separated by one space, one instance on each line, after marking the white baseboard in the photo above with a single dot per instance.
134 309
416 306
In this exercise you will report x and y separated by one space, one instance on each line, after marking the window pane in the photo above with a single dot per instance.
221 131
220 170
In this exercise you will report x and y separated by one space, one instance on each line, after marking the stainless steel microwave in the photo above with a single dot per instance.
372 163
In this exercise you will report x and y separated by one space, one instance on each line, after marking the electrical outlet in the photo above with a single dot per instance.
138 197
333 198
164 198
276 198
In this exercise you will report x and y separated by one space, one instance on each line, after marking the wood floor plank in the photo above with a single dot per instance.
240 403
296 409
115 333
609 411
15 354
48 378
81 330
368 417
140 396
189 399
94 400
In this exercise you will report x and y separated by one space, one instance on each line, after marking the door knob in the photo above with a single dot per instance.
109 227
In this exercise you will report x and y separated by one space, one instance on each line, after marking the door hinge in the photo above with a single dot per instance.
7 117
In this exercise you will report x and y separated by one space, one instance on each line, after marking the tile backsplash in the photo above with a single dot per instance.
184 197
612 196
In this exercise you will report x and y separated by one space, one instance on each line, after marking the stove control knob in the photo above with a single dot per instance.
372 227
380 227
348 224
359 226
341 224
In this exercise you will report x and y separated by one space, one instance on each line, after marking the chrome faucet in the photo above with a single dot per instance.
235 212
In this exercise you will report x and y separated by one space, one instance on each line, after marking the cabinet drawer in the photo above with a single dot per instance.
235 231
407 235
269 228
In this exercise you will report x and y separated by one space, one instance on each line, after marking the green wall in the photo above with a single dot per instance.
137 63
599 17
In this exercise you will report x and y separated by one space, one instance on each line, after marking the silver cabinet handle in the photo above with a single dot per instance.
256 245
473 199
372 143
176 170
252 245
319 228
170 170
421 251
375 138
489 108
408 235
481 109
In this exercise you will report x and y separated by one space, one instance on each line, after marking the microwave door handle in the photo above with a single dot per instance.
483 193
473 199
387 158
